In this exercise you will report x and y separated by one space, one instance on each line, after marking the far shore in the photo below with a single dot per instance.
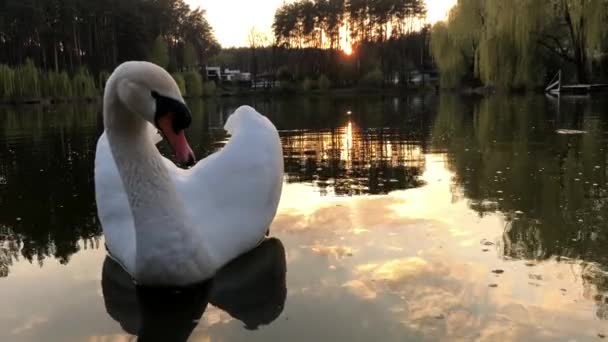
275 92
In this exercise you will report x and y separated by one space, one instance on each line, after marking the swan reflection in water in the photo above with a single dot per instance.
251 289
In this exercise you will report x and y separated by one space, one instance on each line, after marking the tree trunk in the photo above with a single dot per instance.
55 56
578 43
580 58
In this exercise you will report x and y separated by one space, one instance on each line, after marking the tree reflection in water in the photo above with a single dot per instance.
552 188
47 206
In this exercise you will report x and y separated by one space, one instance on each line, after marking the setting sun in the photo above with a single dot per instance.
437 10
347 49
259 14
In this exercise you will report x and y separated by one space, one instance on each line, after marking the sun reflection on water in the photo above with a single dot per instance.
350 160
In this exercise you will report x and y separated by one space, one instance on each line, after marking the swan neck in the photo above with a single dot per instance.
166 241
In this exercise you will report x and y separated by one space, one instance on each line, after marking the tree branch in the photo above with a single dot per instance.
560 53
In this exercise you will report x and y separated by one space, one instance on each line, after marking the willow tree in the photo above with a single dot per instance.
451 60
507 43
583 23
507 54
160 53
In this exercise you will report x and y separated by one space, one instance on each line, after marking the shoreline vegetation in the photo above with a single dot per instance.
65 51
521 45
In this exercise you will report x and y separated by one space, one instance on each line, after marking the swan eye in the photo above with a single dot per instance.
181 116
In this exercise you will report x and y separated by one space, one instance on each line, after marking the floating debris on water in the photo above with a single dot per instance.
493 285
498 271
486 242
570 131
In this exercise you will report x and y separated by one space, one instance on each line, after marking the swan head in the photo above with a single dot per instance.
149 91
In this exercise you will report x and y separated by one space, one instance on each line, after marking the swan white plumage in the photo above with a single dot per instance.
169 226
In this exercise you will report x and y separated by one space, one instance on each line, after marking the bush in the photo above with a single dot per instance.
287 86
209 88
160 53
7 82
27 80
57 85
306 85
284 74
194 83
323 83
103 78
374 78
83 84
179 79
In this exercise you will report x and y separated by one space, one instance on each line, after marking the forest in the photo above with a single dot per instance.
519 44
68 47
338 43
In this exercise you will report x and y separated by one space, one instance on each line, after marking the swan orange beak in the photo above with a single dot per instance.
177 140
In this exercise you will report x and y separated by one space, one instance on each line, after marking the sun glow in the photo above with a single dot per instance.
438 10
245 14
347 49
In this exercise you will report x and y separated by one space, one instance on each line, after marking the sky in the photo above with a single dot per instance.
232 20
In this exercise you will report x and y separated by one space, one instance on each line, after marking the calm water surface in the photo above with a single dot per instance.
420 218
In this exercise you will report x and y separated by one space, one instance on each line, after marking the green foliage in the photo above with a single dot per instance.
226 58
373 78
83 84
181 83
64 35
103 78
7 82
57 85
209 88
453 65
160 53
323 83
506 44
306 85
194 83
27 80
190 57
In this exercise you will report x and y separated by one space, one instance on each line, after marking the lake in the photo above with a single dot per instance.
418 218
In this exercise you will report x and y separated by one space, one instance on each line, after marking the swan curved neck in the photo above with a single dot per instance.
168 248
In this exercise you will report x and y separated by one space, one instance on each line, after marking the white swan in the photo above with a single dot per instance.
169 226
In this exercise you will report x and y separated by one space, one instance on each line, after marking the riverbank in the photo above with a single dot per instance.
49 101
227 92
